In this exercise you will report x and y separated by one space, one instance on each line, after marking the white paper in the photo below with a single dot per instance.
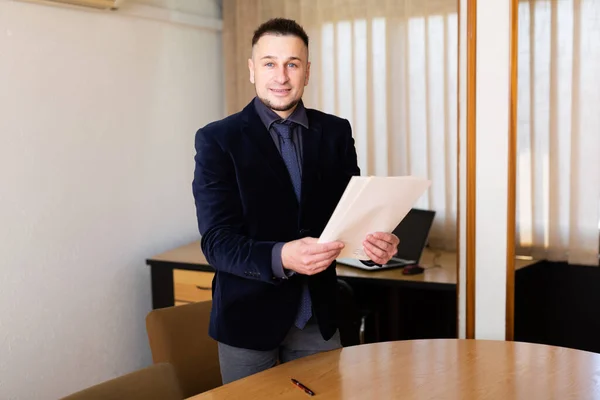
371 204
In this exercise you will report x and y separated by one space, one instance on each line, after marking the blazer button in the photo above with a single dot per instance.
303 232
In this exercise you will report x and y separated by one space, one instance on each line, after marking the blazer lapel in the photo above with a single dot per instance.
311 140
261 138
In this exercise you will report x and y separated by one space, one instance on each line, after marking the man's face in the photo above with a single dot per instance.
279 70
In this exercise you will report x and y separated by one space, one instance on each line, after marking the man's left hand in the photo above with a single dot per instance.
381 246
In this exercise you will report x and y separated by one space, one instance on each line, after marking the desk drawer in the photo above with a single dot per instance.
192 286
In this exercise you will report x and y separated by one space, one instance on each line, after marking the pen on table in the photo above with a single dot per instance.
301 386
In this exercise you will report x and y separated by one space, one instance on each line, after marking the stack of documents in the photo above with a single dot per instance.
371 204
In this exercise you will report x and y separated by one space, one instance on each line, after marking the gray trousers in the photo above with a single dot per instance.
237 363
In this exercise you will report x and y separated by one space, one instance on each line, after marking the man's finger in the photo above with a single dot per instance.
378 246
383 245
318 248
330 255
386 237
374 257
375 250
320 267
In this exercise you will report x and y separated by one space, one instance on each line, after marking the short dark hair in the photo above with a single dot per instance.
280 27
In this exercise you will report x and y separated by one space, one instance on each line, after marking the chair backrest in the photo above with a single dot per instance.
348 315
157 382
179 335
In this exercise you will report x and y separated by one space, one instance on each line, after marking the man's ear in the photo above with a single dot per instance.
306 78
251 69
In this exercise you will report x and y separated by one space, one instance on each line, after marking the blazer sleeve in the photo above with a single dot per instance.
219 214
351 167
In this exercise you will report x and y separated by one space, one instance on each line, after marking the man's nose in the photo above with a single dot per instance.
282 75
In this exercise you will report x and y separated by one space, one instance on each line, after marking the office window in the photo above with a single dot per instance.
395 79
558 191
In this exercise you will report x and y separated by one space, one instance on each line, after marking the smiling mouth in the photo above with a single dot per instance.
281 91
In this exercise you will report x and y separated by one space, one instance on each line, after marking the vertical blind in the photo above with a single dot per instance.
390 68
558 188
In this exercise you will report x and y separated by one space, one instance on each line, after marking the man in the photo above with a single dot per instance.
266 181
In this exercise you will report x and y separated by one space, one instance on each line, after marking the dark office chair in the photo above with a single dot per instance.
353 318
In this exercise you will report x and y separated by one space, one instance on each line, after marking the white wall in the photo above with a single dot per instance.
462 171
204 8
492 130
97 119
492 133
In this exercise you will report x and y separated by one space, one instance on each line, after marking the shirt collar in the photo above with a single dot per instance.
268 116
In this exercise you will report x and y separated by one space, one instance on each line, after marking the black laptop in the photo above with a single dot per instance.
413 233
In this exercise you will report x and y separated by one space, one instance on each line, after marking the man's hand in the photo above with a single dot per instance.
307 257
381 246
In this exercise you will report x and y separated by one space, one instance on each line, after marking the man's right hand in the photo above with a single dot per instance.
307 257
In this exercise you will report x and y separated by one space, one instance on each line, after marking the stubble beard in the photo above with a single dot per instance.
285 107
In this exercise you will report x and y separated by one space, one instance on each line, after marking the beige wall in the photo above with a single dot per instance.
98 112
492 128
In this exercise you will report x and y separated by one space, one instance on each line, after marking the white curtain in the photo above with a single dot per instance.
391 69
558 178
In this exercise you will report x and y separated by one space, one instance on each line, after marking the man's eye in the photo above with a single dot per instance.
292 65
268 64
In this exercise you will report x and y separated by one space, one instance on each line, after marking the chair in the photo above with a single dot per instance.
157 382
353 318
348 315
179 335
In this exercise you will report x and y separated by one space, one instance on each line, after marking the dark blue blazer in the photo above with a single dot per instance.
245 203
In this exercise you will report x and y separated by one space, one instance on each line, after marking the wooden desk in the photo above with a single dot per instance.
180 275
406 306
440 273
429 369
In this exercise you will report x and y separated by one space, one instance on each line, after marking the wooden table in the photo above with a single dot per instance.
429 369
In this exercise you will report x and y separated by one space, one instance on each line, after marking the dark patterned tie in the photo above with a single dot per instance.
290 158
